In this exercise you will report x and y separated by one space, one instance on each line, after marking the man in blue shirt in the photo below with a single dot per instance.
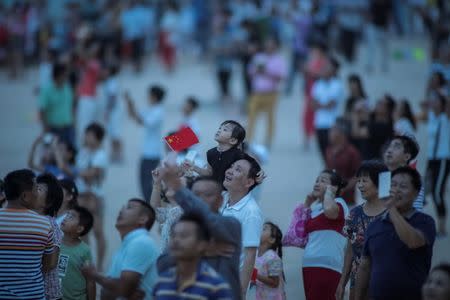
191 278
399 246
133 268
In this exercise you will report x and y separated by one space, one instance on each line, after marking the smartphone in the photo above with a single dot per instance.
384 184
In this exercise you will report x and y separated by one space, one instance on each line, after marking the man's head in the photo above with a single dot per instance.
59 73
135 214
405 186
340 132
190 106
50 195
230 132
209 190
401 150
189 237
20 188
93 136
242 174
78 222
156 94
271 45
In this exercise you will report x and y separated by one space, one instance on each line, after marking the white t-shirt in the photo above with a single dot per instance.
250 216
404 127
153 118
91 159
325 91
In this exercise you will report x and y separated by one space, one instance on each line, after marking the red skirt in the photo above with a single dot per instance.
320 283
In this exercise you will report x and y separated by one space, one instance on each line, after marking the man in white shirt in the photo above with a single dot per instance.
327 93
240 179
152 119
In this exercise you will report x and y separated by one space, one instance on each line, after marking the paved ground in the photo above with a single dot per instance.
291 171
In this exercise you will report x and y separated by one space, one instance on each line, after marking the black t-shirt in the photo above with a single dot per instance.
380 11
221 161
379 134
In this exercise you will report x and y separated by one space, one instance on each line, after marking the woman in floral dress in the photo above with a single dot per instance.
357 222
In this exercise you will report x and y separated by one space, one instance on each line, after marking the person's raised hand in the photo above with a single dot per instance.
330 192
170 172
156 176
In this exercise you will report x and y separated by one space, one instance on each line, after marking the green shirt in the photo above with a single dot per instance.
57 104
71 259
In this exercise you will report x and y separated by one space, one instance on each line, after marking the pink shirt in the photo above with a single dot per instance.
269 264
89 79
274 68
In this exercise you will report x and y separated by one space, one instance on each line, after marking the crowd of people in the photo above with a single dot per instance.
216 242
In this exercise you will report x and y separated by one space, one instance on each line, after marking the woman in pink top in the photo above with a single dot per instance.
88 106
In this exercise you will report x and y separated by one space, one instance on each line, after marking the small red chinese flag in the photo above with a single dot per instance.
182 139
254 275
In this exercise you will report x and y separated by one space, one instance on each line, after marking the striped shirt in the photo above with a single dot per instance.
208 284
25 237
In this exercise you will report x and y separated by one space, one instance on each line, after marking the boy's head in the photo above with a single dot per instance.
78 222
156 94
230 132
400 151
190 106
93 135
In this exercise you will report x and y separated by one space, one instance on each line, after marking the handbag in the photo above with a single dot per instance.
296 235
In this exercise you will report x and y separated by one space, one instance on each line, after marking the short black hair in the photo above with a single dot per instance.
97 130
85 219
55 193
255 168
193 102
70 186
410 145
336 180
372 168
148 210
18 182
238 131
413 175
206 178
158 92
58 70
203 232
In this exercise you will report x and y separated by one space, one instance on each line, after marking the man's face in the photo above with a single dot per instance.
210 192
395 154
223 134
130 215
402 192
184 243
237 175
90 140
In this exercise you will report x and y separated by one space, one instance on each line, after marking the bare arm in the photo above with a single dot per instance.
207 171
155 199
91 289
50 261
330 207
412 237
363 279
247 269
31 156
345 271
132 109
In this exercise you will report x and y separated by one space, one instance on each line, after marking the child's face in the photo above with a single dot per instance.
187 108
266 235
223 134
70 224
90 140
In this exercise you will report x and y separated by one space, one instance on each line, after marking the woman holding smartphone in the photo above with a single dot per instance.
357 222
324 251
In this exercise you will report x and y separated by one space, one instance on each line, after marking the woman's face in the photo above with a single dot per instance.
321 184
437 286
367 188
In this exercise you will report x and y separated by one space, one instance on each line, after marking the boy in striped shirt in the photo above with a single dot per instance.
26 240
